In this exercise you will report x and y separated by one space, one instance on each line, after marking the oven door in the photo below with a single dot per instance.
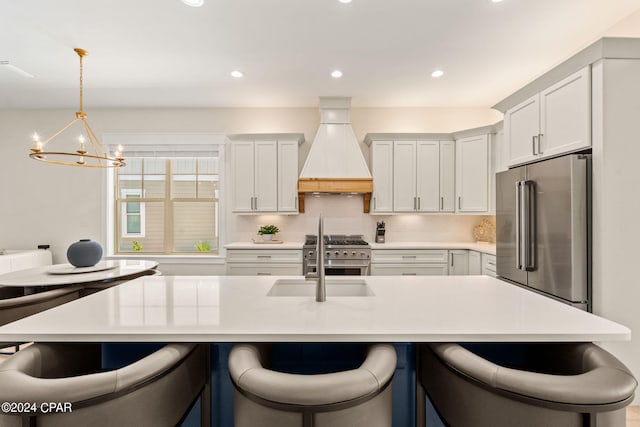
340 268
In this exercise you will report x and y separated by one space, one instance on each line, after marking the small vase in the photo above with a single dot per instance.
267 237
84 253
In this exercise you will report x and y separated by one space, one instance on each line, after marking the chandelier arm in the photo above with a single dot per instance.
60 131
97 147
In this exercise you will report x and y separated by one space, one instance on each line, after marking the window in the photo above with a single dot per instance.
166 200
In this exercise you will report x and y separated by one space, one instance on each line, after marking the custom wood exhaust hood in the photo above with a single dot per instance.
335 163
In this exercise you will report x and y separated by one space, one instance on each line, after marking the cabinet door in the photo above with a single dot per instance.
489 265
458 262
447 176
266 176
472 174
409 270
242 174
565 115
428 176
288 176
404 176
475 263
521 126
382 171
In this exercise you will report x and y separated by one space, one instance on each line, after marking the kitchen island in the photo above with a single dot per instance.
227 309
237 309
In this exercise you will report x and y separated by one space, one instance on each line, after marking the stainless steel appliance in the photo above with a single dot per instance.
345 255
544 228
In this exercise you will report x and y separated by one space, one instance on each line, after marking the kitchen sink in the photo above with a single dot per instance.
307 288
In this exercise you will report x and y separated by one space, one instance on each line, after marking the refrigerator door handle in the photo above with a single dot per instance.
518 226
529 225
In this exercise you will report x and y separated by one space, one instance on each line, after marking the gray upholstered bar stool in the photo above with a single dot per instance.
357 397
14 304
563 385
157 390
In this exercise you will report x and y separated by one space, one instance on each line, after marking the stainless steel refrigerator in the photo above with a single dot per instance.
543 227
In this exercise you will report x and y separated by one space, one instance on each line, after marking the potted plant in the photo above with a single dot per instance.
268 231
203 246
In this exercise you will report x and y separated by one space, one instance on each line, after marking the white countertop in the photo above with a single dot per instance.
236 308
489 248
49 275
271 246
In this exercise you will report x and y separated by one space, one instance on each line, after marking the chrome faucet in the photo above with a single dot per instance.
321 290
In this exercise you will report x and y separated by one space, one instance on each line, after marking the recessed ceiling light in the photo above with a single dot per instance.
496 1
336 74
437 73
193 3
237 74
345 1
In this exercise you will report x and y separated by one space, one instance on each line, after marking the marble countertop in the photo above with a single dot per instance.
489 248
237 308
53 275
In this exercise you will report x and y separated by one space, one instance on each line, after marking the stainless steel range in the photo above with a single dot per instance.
345 255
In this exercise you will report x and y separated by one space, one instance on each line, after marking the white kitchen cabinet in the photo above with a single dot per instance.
413 176
264 262
489 265
409 262
382 171
264 174
475 263
458 262
472 174
555 121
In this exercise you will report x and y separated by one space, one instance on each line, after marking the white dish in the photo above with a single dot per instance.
70 269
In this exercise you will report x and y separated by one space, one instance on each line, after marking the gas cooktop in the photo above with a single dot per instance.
337 240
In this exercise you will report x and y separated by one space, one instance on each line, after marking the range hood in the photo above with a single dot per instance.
335 163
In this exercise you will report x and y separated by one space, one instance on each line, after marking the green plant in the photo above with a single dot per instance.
203 246
268 229
137 246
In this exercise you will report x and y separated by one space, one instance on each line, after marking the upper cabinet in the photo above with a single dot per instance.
554 121
264 173
412 175
473 160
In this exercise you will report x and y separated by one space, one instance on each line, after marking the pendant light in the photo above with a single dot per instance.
90 152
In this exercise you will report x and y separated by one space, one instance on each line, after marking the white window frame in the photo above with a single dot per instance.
124 214
189 142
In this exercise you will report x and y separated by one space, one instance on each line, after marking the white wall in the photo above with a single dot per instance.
57 205
616 202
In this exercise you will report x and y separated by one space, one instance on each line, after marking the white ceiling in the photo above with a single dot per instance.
161 53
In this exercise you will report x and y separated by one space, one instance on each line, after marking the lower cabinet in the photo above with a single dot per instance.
489 265
475 263
431 262
458 262
264 262
409 262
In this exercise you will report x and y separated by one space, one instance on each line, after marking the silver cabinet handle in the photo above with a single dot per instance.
534 139
264 256
263 274
409 274
409 256
374 203
418 203
539 143
441 203
255 204
414 203
296 203
459 202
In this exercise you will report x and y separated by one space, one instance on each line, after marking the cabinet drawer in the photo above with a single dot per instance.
239 269
264 256
409 270
409 256
489 265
